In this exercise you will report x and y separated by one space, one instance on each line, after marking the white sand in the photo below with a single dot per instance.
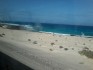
38 56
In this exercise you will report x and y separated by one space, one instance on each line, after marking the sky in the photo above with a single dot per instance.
77 12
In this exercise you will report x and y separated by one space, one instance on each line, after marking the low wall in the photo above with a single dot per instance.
8 63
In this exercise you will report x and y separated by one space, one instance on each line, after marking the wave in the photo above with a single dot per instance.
32 28
66 34
54 33
27 27
9 24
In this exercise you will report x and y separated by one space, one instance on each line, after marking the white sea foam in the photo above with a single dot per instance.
65 34
10 24
55 33
31 28
28 27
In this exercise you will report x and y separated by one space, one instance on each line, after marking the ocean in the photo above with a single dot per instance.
69 29
60 28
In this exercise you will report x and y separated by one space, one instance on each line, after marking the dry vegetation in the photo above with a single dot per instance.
1 35
29 39
35 42
52 44
60 46
66 49
51 49
88 53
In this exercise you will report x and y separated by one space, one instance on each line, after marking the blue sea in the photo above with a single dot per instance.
61 28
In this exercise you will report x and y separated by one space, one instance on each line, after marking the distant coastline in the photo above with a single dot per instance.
62 29
43 50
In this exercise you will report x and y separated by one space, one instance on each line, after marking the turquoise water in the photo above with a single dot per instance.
61 28
69 29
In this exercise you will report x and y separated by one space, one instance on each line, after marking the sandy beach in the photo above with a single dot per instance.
46 51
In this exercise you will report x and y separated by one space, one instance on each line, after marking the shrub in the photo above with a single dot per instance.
72 48
52 44
81 63
51 49
60 46
85 48
35 42
1 35
87 53
66 49
84 44
29 39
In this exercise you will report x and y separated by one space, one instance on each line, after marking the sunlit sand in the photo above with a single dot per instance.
51 51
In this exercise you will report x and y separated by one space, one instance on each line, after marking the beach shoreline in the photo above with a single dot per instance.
62 48
29 27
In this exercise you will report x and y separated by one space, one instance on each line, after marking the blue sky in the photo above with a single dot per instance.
48 11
